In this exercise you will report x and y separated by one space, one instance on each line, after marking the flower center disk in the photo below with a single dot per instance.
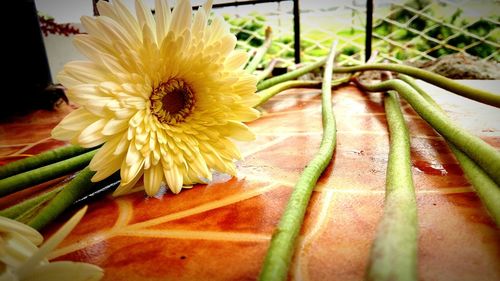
172 101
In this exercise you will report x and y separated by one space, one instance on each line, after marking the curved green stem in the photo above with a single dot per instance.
280 251
479 151
17 210
268 93
290 75
77 188
261 76
252 65
438 80
40 160
394 251
487 190
36 176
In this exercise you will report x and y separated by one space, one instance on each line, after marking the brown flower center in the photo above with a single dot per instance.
172 101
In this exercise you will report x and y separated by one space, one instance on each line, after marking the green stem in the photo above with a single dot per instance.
487 190
261 76
479 151
438 80
280 251
394 251
77 188
290 75
252 65
40 160
268 93
17 210
36 176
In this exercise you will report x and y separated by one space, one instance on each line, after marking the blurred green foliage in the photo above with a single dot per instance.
415 30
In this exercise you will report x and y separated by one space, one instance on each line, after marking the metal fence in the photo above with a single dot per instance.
402 32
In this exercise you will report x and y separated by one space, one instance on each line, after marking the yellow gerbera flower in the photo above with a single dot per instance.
20 259
164 93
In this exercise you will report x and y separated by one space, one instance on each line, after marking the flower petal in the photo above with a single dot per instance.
181 17
174 179
152 179
8 225
236 60
65 270
145 17
162 18
86 72
115 126
92 136
130 172
49 245
106 9
126 19
238 131
72 124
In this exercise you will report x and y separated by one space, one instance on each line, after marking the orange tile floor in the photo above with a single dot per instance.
221 231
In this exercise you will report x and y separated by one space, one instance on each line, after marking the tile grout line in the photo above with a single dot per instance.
30 146
264 146
125 230
300 267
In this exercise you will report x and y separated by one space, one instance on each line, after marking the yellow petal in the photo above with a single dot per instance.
87 47
105 154
67 80
50 244
116 33
72 124
86 71
8 225
238 131
145 17
181 17
16 249
114 126
124 189
90 26
130 172
65 270
236 60
207 6
126 18
162 18
92 133
110 168
152 179
174 179
106 9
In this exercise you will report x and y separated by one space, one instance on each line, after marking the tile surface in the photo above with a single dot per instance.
221 231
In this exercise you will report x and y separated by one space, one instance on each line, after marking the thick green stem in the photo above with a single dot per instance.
77 188
487 190
394 251
438 80
40 160
268 93
280 251
33 177
479 151
252 65
17 210
261 76
290 75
